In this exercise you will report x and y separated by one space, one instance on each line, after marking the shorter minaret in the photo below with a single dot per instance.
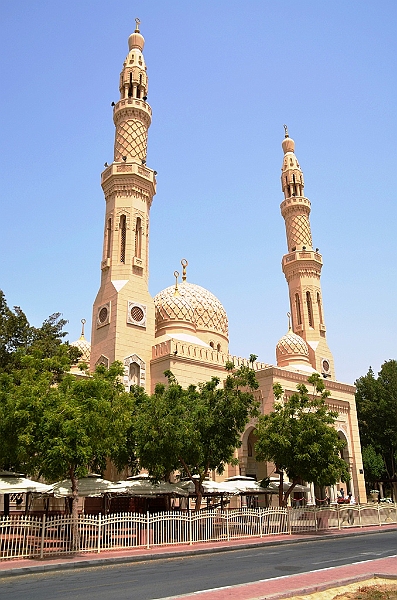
302 265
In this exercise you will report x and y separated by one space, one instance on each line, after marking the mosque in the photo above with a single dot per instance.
184 328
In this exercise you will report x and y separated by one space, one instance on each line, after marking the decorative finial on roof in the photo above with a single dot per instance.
83 322
138 22
176 291
289 321
184 264
286 131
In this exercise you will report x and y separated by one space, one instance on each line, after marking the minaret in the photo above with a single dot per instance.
123 312
302 265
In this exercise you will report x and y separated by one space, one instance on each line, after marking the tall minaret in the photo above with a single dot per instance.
302 265
123 312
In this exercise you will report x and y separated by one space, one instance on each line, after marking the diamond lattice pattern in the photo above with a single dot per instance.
131 140
298 231
194 304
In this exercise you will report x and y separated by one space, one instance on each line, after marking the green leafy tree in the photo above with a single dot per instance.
376 400
82 423
299 438
194 430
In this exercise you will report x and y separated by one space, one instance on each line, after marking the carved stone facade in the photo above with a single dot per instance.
185 327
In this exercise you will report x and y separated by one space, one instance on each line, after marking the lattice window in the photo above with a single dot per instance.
108 238
298 309
320 312
123 235
309 309
138 238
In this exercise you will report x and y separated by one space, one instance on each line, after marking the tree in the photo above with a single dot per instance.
299 438
82 423
194 430
376 400
32 361
18 338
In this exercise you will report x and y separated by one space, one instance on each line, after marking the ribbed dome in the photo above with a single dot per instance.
194 305
85 347
291 344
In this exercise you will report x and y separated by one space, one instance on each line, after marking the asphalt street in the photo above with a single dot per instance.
162 578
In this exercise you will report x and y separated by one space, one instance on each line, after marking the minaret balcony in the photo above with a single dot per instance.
132 103
303 256
128 168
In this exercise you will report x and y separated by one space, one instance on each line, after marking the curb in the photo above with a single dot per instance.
80 563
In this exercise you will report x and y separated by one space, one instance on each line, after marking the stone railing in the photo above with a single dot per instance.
195 352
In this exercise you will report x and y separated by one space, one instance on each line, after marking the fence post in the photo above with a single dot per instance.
260 522
315 517
379 519
147 530
337 512
289 509
359 515
99 531
43 524
227 525
190 528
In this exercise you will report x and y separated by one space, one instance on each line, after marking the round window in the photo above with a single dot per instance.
137 314
326 366
103 314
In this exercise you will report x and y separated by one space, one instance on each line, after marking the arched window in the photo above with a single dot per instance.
212 344
123 233
130 87
138 238
108 238
320 312
298 309
309 309
135 374
218 347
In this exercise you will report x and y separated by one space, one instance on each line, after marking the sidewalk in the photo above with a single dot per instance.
281 587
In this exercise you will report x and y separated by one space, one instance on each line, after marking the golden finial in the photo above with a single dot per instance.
176 275
137 21
184 264
83 322
289 321
286 131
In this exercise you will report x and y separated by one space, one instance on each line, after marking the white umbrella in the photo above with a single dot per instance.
91 486
210 487
246 485
16 483
142 486
275 484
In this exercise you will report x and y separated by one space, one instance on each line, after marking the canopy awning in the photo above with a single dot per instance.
142 486
91 486
16 483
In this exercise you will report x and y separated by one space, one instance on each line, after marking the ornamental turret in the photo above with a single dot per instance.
302 264
123 313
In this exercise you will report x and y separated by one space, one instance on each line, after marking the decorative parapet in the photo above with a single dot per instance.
187 351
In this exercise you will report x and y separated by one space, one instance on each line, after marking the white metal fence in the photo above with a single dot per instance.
30 537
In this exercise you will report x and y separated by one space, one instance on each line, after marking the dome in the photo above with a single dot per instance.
292 351
83 345
292 344
85 348
288 145
193 306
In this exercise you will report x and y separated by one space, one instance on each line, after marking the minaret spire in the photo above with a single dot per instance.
302 265
123 313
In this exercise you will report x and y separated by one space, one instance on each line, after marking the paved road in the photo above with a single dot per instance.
168 577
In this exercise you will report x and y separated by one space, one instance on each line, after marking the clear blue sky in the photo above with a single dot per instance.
224 76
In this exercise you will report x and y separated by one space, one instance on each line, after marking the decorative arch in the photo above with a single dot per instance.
134 371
